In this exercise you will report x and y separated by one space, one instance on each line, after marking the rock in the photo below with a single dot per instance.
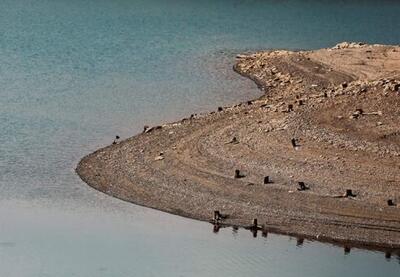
357 114
241 56
344 45
149 130
374 113
362 89
159 158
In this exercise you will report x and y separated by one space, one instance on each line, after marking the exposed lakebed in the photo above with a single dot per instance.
76 73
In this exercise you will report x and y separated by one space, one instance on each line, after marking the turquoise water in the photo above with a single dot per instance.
75 73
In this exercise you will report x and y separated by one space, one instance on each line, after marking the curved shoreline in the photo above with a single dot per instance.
187 167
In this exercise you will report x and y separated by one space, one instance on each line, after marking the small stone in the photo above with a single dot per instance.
234 140
159 158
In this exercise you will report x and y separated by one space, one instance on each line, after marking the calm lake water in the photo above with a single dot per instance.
74 73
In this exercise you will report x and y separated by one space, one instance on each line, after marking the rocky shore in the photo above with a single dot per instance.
317 156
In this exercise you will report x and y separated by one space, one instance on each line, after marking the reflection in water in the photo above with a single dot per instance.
59 243
253 230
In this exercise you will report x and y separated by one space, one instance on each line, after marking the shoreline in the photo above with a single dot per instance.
187 167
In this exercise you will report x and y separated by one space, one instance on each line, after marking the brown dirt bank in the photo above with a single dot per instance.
342 107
